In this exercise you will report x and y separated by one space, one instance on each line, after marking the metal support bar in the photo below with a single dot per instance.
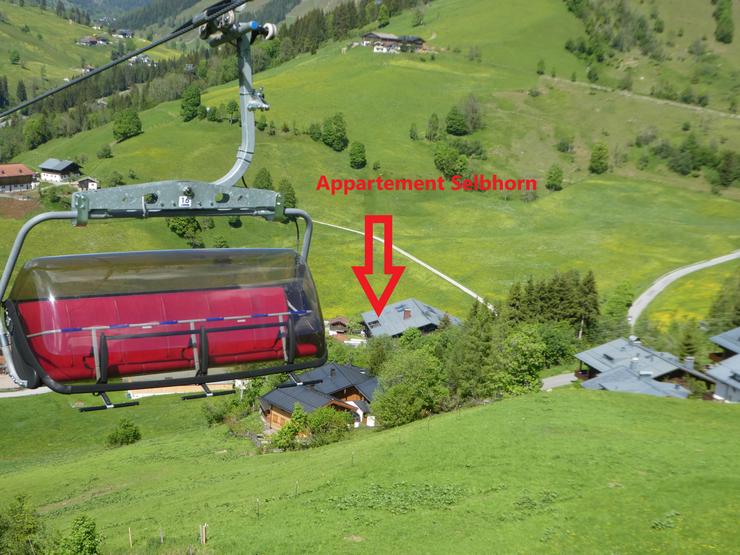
295 382
207 393
108 404
249 101
295 212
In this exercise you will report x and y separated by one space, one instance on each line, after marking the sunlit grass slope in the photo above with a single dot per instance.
572 471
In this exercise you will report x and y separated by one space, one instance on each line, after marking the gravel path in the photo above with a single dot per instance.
664 281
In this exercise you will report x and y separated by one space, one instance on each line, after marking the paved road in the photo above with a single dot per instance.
664 281
410 256
558 381
24 392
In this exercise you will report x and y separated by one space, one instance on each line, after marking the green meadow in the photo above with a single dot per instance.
691 297
570 471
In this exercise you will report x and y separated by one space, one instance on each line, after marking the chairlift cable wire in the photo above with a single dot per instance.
222 7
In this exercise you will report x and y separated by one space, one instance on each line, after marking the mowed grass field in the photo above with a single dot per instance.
570 471
692 296
627 226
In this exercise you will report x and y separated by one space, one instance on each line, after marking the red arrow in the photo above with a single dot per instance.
395 272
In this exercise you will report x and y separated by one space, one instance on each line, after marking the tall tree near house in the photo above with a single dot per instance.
468 365
384 16
530 301
689 342
589 305
514 304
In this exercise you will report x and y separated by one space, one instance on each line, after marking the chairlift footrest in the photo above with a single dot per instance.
110 406
209 394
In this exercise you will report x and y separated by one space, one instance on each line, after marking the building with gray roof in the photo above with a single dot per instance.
398 317
622 353
728 340
58 171
727 371
627 365
629 380
342 386
727 376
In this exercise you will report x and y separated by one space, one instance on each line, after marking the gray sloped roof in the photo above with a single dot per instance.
623 353
383 36
729 340
727 371
625 380
286 398
391 321
54 165
336 377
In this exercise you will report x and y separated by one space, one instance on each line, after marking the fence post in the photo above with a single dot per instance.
130 538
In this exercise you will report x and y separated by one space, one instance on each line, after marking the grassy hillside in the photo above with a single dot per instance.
691 296
51 44
629 225
572 471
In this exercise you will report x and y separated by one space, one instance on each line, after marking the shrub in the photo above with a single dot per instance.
83 539
235 222
456 124
327 425
261 123
448 161
125 433
357 157
599 159
554 178
565 144
314 131
646 136
334 133
105 152
215 412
